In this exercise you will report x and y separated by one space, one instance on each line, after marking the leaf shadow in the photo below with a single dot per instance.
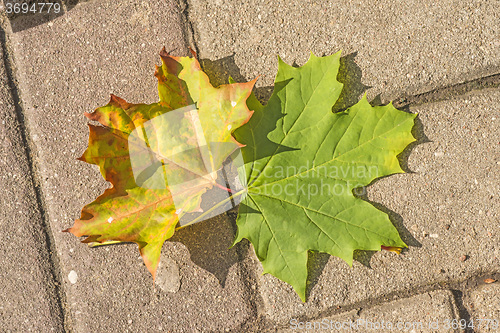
350 75
418 133
20 23
316 262
220 70
209 244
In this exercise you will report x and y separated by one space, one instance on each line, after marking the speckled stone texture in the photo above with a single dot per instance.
485 307
28 297
402 47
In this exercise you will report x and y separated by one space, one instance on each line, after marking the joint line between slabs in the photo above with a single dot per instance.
448 92
188 26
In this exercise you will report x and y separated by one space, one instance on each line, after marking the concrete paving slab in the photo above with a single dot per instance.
396 48
447 210
429 312
28 298
69 66
400 46
485 304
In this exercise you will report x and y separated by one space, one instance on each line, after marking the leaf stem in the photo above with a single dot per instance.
223 187
108 242
199 218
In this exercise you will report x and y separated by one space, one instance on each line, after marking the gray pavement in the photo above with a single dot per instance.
29 301
401 47
484 303
447 207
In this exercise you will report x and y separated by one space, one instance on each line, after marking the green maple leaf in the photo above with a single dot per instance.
302 164
140 206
